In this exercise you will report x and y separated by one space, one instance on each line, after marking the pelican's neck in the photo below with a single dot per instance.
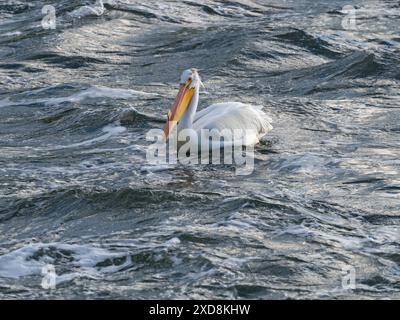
187 120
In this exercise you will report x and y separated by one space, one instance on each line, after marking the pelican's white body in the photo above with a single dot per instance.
234 116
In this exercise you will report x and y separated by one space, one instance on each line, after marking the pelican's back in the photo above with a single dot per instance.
232 116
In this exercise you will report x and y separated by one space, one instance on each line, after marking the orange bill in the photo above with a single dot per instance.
179 108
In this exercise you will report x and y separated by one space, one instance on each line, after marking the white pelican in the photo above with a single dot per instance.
234 116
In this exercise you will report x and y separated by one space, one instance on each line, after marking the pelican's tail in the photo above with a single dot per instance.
265 121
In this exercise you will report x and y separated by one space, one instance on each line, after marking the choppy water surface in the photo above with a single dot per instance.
76 191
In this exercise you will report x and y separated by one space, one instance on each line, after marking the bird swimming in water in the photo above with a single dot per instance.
248 119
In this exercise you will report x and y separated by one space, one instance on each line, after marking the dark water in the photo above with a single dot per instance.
76 191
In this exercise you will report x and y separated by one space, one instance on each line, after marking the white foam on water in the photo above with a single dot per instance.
15 264
172 242
22 262
109 131
89 93
14 33
6 103
97 92
306 163
97 9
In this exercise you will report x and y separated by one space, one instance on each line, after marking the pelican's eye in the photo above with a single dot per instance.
189 81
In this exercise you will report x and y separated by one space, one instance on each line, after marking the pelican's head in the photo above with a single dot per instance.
189 83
